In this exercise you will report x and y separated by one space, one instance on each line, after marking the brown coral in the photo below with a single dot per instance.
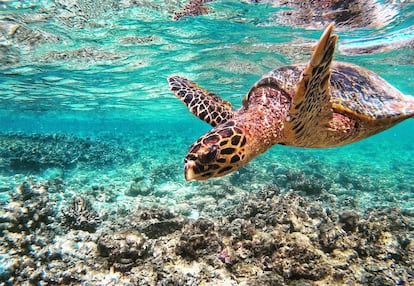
122 249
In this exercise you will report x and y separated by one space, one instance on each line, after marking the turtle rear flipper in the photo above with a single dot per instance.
205 105
311 109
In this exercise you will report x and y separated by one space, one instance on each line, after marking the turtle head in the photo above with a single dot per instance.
217 153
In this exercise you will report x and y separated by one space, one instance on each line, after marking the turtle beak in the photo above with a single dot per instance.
189 171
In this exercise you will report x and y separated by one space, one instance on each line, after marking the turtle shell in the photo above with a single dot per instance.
353 90
364 94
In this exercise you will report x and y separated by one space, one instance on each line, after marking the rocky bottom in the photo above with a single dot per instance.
268 238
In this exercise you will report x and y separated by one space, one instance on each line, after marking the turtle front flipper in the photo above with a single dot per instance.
311 108
205 105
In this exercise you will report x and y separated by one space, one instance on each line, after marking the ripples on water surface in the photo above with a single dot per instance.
111 58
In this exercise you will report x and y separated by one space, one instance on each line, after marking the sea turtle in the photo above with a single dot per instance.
319 104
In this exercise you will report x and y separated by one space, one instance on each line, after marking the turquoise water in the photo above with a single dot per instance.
96 70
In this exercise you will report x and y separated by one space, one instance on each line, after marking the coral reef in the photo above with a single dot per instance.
33 153
122 249
27 231
296 223
153 222
270 237
199 239
30 209
79 214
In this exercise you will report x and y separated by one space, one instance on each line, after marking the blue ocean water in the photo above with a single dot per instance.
87 69
97 70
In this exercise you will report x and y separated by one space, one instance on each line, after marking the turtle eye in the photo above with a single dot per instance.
209 156
190 157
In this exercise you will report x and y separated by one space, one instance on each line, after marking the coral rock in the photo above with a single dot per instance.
80 215
198 239
123 249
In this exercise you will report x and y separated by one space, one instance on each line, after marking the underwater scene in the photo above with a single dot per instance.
93 187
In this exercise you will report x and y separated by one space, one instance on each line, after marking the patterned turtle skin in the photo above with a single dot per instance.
316 105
